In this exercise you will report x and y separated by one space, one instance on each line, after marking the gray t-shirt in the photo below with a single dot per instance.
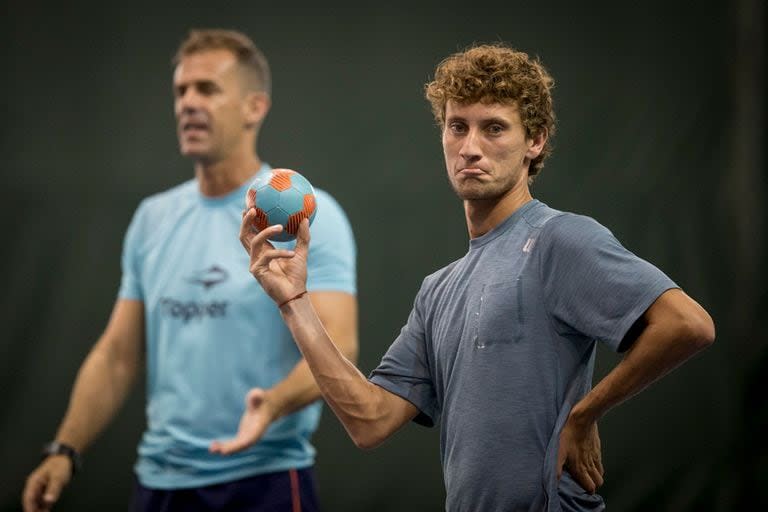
500 344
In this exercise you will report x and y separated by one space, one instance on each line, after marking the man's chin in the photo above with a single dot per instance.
468 191
477 193
196 153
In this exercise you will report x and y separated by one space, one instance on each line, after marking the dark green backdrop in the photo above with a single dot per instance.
661 120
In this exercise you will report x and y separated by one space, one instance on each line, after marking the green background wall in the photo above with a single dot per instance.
661 121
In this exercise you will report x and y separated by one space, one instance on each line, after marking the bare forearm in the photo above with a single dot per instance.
356 401
338 313
100 389
297 390
369 413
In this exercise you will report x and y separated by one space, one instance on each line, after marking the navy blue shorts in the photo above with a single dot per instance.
285 491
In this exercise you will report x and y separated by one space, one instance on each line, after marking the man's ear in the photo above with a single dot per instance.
536 144
256 106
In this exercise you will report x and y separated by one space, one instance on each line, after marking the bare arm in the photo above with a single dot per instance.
106 376
338 313
369 413
676 328
102 384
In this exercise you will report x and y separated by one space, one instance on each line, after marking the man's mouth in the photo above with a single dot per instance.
471 171
194 128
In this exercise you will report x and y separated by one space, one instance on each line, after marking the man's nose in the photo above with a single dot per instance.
470 149
189 101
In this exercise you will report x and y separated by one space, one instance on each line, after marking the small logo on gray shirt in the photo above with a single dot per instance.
529 245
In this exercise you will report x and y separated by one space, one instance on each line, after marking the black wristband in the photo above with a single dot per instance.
57 448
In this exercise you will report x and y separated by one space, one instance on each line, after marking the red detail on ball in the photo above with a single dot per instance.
295 219
309 204
281 179
260 220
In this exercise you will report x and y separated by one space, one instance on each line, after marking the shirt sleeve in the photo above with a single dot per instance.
332 250
592 284
130 282
404 370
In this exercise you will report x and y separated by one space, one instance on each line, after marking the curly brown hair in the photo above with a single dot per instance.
494 73
251 60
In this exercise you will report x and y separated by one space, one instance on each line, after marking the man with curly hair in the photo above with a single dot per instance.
499 346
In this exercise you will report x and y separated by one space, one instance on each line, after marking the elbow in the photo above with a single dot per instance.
367 415
363 442
124 364
707 332
367 430
700 329
366 440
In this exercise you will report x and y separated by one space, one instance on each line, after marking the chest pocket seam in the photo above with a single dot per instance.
500 316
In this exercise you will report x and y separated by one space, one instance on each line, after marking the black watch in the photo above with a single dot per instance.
57 448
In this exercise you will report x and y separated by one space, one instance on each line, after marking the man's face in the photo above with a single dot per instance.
210 105
486 150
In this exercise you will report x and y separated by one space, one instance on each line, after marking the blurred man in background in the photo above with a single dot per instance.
208 336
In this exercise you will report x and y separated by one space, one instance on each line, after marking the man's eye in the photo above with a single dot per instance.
456 127
206 89
495 129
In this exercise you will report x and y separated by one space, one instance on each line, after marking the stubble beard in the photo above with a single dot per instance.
471 189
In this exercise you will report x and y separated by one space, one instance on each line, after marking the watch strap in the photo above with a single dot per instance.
57 448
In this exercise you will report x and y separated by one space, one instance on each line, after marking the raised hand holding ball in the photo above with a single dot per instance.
281 196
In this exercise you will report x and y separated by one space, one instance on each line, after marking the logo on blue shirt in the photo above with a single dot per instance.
210 277
188 310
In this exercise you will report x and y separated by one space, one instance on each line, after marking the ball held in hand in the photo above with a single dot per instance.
281 196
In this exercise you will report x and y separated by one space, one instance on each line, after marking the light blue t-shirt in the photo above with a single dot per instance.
212 333
500 345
